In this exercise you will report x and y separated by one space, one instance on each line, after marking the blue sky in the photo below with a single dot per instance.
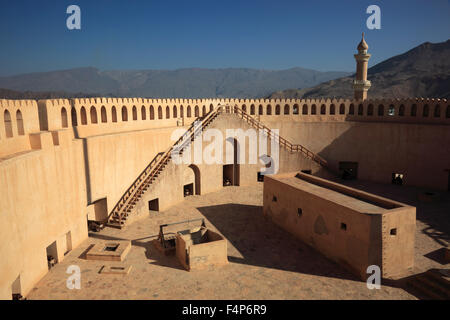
169 34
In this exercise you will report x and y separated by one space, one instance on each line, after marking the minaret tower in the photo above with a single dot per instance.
361 84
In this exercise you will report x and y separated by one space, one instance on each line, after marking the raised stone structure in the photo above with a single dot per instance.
356 229
200 248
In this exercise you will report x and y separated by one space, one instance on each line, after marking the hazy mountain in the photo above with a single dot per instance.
421 72
182 83
12 94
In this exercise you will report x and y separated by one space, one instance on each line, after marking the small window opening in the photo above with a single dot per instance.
188 190
153 205
397 178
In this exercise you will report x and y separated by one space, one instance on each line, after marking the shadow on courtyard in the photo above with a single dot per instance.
261 243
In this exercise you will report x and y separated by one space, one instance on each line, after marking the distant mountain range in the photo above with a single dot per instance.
182 83
12 94
421 72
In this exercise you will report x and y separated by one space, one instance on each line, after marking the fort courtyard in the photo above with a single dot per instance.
264 261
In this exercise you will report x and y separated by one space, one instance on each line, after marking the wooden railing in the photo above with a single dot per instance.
155 167
282 141
139 186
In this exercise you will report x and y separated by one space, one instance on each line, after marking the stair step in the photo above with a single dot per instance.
425 287
436 284
438 279
114 225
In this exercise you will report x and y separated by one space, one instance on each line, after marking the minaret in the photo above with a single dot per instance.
361 84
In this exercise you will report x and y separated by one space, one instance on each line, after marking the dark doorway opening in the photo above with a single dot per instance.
397 178
52 255
153 205
188 190
228 175
260 177
231 172
348 170
197 181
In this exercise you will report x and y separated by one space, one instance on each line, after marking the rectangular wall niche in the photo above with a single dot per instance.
153 205
188 190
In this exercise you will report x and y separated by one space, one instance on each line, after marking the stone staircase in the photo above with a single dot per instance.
125 205
433 284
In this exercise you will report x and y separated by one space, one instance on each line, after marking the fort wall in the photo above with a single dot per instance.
42 201
418 151
58 157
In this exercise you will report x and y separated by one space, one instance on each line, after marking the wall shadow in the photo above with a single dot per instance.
86 165
388 148
433 214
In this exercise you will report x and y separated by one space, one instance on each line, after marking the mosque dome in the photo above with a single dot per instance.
363 44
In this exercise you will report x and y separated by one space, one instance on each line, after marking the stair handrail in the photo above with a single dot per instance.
162 158
284 142
119 202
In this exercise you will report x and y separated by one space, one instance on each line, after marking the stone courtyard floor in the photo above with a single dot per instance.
265 262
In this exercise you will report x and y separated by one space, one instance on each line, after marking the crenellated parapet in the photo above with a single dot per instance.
20 117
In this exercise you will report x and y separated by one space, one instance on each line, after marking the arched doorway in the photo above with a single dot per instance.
192 181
